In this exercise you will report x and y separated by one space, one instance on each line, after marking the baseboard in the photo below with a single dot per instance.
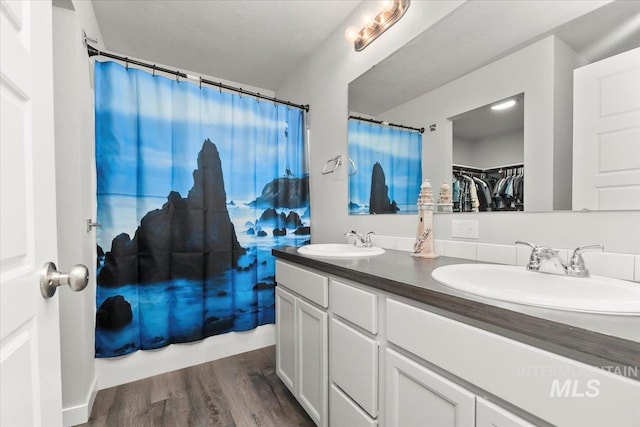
147 363
79 414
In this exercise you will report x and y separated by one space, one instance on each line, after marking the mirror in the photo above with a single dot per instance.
488 157
388 171
492 59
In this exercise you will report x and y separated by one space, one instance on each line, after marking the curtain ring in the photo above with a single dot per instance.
220 87
154 70
126 63
200 82
177 78
258 98
240 93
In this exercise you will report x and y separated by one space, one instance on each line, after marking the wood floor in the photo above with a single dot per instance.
241 390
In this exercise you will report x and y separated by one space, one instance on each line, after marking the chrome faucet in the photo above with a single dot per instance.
542 257
364 240
576 267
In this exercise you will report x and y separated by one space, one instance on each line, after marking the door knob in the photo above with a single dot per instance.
50 278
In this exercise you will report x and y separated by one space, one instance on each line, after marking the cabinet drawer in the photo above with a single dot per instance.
345 413
354 365
312 286
491 415
355 305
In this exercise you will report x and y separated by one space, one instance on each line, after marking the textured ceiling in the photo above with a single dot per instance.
480 32
257 42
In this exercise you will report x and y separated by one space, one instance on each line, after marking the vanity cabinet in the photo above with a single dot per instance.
302 338
354 355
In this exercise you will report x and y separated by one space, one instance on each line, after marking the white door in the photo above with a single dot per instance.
29 324
606 134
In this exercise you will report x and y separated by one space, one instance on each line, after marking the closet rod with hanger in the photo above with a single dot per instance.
380 122
92 51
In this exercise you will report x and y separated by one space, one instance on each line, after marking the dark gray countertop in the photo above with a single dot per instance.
609 342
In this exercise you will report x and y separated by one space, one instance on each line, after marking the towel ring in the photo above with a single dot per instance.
337 160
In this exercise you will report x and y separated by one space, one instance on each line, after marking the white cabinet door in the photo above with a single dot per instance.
286 338
312 355
354 365
606 134
345 413
491 415
30 373
416 396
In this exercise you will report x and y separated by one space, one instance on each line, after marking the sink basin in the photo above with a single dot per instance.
595 294
339 250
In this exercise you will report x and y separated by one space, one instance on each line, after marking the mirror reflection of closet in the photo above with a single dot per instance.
488 157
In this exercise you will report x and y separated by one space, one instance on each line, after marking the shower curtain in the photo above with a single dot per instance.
195 187
389 168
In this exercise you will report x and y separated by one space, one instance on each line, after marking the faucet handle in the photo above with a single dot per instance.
367 239
576 265
538 254
578 251
359 239
521 242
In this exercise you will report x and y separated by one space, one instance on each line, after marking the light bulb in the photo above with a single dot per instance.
383 17
386 5
504 105
367 18
351 34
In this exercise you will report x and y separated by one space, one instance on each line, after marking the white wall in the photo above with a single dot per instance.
75 188
322 81
502 149
462 151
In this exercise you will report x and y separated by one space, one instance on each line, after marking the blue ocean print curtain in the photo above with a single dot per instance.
195 187
389 169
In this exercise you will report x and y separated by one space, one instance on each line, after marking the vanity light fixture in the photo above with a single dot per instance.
504 105
374 26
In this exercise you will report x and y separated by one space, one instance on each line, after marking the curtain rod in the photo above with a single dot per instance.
380 122
92 51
